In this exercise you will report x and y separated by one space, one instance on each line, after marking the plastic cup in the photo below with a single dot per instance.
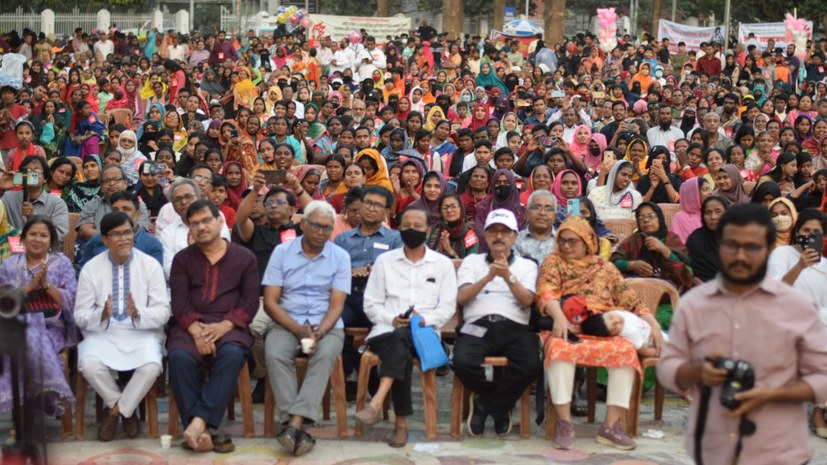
307 344
166 441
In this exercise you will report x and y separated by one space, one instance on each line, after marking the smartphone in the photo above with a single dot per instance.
233 132
275 177
407 314
18 179
573 207
813 241
630 127
598 95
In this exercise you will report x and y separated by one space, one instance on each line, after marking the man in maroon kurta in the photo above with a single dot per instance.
215 287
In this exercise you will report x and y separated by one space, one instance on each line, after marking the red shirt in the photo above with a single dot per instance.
7 138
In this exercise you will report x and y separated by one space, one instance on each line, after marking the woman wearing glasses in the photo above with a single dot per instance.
452 236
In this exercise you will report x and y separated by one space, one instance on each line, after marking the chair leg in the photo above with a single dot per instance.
66 426
457 400
80 416
246 397
362 387
429 401
173 427
551 419
591 389
659 395
326 402
633 411
337 381
269 409
151 403
525 414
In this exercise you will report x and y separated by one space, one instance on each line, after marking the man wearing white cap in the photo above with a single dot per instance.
496 290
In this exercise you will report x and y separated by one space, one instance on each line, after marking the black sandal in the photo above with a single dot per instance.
288 439
304 443
222 443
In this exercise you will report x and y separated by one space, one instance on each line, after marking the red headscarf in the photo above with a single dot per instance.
477 123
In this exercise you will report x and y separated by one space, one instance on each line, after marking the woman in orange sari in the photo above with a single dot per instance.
244 92
575 269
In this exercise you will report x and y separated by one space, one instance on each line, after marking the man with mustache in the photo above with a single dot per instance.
496 290
743 314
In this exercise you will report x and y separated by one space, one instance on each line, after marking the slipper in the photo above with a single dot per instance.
368 416
288 438
186 446
304 443
204 443
222 443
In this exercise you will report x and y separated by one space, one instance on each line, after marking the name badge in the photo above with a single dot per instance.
381 246
220 56
287 235
626 201
56 193
470 239
15 245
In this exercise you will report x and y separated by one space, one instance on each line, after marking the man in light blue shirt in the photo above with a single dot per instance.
306 283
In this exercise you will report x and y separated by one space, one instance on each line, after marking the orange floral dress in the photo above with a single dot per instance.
601 284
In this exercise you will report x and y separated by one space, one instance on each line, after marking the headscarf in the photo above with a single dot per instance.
662 228
180 136
420 105
628 156
400 115
235 194
315 129
477 123
213 87
783 237
764 189
432 207
429 125
558 182
245 91
688 219
583 229
593 162
581 150
380 177
489 79
530 184
274 95
614 198
737 195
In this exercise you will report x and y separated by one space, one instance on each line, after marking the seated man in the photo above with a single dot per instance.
112 180
214 286
306 282
121 308
496 290
406 282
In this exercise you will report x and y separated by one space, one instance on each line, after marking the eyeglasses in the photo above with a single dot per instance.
447 208
127 140
201 179
326 229
112 181
196 224
182 199
541 208
276 202
128 234
649 217
373 205
732 248
568 242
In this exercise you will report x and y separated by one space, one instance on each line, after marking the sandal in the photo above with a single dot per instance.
288 438
304 443
222 443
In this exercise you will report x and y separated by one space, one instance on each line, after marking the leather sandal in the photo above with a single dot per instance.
399 437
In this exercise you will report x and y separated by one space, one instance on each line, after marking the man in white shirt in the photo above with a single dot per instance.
496 290
664 134
571 120
369 60
176 236
404 283
342 59
104 47
177 51
121 308
323 54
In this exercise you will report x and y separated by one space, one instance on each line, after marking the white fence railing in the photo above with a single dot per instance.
64 24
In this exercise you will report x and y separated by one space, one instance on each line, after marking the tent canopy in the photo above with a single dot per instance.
522 27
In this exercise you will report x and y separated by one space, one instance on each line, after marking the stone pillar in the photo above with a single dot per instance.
104 21
182 21
47 21
157 20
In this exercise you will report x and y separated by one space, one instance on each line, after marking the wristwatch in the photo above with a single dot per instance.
512 279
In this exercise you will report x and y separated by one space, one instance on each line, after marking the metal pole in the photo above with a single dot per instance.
727 7
631 18
674 9
526 8
192 15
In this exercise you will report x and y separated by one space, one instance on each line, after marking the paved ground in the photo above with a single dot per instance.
372 450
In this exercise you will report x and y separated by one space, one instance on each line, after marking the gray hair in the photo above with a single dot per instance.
184 182
541 193
114 166
711 114
321 207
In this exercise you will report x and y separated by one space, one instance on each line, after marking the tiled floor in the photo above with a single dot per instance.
371 448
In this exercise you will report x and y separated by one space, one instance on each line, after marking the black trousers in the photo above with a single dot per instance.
353 316
518 343
396 350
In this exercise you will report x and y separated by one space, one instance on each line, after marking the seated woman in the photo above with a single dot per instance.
804 269
354 176
479 189
48 281
731 186
82 192
659 186
452 236
618 199
63 177
653 252
702 244
351 215
539 179
605 242
574 268
433 189
783 173
765 193
784 216
693 192
505 196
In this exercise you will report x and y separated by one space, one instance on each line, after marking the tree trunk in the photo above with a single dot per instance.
499 14
554 16
452 18
657 9
382 8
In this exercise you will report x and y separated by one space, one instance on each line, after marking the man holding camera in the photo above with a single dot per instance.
729 335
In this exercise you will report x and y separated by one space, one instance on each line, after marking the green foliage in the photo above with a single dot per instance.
349 7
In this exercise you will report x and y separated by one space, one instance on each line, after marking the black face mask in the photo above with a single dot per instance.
595 151
502 192
413 238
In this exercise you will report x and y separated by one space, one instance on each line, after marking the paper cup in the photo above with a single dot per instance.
166 441
307 344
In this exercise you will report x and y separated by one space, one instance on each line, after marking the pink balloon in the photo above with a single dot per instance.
306 22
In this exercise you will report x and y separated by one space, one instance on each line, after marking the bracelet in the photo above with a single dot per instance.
48 286
300 193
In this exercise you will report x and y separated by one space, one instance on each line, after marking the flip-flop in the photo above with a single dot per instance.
222 444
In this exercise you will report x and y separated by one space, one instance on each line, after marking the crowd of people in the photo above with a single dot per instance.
238 195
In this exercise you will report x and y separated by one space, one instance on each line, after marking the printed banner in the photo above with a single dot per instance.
338 27
690 35
766 31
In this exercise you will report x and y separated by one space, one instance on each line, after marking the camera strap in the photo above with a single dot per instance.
746 427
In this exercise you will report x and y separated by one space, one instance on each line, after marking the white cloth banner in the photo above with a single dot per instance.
766 31
338 27
690 35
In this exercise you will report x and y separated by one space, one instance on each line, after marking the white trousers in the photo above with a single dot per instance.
560 378
99 376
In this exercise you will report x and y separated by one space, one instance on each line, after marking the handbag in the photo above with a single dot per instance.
428 346
40 302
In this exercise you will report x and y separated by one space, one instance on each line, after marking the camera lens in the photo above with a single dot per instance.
10 304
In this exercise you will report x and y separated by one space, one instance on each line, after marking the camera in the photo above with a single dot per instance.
740 377
152 168
23 177
12 302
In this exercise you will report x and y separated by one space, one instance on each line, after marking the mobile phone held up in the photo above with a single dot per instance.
813 241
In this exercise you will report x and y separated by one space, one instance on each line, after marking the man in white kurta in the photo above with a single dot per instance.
121 308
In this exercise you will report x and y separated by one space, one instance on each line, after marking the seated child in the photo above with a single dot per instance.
624 324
